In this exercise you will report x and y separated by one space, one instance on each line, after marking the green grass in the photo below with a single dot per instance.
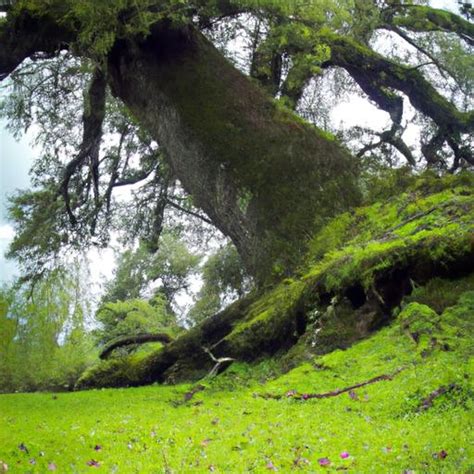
231 427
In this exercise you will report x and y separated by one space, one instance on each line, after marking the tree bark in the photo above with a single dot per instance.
260 173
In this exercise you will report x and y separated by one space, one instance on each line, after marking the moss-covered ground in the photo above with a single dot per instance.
418 419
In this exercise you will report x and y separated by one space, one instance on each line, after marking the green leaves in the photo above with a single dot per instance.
44 342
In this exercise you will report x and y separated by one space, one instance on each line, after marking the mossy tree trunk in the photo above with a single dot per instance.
259 172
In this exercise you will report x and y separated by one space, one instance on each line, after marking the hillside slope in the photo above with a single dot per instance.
399 401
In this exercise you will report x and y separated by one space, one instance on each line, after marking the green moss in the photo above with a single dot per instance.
420 227
120 372
418 318
270 324
439 293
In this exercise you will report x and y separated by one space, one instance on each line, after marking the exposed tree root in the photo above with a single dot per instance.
306 396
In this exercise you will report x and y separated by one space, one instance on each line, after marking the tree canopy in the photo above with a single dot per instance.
135 94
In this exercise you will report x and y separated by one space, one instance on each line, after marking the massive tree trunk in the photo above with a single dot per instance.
264 177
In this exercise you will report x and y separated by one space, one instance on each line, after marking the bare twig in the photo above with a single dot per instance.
218 362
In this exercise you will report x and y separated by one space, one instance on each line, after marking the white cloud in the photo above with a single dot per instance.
358 111
6 232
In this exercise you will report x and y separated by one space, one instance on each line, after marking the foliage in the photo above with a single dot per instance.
45 340
134 316
232 425
224 280
169 269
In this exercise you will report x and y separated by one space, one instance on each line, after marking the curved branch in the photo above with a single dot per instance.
432 147
134 178
461 153
188 211
377 75
24 36
136 339
93 118
392 137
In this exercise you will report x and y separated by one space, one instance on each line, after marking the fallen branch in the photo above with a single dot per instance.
136 339
307 396
218 362
428 401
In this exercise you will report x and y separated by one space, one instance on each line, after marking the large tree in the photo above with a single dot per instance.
260 174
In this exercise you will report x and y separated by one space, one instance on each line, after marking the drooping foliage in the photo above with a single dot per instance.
133 317
45 341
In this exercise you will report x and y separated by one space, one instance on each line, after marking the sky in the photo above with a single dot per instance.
16 158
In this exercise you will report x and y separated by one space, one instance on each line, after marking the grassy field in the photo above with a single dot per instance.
249 420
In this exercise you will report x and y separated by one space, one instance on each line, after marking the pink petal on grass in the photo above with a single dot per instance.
93 463
344 455
324 461
270 466
52 466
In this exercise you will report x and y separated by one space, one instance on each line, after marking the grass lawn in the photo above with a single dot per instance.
237 423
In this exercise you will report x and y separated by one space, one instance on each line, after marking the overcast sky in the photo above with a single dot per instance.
15 161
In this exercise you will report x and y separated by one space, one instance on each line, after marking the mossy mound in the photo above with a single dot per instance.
360 267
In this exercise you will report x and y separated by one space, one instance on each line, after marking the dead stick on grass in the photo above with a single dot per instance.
334 393
428 401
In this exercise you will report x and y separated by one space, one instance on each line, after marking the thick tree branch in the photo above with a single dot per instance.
24 36
377 75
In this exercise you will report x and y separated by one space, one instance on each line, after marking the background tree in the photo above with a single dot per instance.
45 341
134 317
224 280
